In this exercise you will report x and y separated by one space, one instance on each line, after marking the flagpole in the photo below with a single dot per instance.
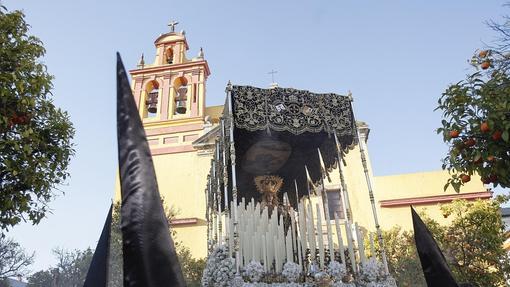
361 144
225 178
234 179
219 172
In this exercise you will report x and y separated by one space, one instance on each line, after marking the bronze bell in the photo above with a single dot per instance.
180 106
180 100
152 103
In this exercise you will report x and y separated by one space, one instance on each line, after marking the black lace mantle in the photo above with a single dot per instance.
291 110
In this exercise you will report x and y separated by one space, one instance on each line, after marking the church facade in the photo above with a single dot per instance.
170 93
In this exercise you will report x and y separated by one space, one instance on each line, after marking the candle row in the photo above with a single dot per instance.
291 236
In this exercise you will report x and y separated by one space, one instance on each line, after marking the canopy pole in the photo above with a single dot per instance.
234 179
346 208
214 203
225 179
361 144
219 172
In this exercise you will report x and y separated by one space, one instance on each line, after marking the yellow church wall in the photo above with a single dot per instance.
180 177
428 185
416 186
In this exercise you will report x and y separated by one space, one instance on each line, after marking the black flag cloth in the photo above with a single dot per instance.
150 259
433 263
97 276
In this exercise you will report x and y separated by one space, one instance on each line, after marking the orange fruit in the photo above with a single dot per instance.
469 142
454 133
496 136
465 178
484 127
485 65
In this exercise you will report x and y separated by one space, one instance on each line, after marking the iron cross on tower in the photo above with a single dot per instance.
272 75
172 25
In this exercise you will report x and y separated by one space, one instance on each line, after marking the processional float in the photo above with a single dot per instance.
275 150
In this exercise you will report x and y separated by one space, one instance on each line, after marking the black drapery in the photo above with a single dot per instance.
97 275
150 259
433 263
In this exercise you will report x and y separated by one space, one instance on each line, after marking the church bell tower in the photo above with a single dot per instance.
170 95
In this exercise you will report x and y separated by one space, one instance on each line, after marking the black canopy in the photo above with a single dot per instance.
278 131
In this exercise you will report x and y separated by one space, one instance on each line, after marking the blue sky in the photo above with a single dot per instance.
396 57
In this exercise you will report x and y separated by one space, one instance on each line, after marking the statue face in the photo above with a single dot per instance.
269 185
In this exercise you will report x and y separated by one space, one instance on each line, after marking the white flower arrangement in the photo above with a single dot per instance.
291 271
370 270
247 284
336 270
220 269
373 275
254 271
389 281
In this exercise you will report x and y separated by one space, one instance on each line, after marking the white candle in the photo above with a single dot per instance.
302 225
292 230
253 247
270 250
350 244
300 254
330 234
281 240
319 237
311 231
340 240
288 243
361 248
277 256
264 253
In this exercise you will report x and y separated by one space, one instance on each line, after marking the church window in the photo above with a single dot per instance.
181 91
151 102
335 204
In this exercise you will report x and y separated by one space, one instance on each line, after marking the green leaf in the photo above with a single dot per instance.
505 136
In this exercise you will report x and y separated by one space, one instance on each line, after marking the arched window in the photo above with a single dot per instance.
169 55
181 91
151 102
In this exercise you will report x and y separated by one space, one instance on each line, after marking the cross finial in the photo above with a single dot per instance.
272 75
172 25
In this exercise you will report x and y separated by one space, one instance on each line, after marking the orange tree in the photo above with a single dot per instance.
35 136
476 122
